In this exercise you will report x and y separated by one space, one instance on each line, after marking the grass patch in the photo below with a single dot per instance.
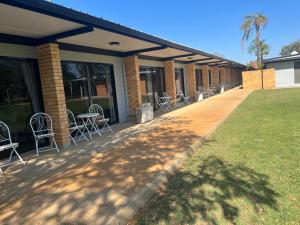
248 173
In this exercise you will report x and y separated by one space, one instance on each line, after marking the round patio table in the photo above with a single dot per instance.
89 120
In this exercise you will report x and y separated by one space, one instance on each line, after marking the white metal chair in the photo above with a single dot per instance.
41 125
75 129
6 144
172 103
186 99
100 120
163 105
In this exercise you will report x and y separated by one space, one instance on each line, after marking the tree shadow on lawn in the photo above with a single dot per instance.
209 195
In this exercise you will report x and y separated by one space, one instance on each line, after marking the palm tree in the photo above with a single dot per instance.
261 48
255 22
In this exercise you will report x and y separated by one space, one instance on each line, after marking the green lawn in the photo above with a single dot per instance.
247 174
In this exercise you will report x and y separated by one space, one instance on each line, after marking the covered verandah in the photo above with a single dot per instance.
56 38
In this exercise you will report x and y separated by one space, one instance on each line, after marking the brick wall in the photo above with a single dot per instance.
101 90
143 87
191 78
170 78
215 76
205 79
53 90
252 79
133 83
222 75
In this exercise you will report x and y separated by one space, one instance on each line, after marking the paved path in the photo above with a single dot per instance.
105 181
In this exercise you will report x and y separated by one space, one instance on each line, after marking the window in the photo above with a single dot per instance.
199 83
209 77
90 83
179 80
297 72
152 80
19 99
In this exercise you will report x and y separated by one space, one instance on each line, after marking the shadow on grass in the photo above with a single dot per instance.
209 194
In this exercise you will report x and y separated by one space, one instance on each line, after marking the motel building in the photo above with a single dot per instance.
54 58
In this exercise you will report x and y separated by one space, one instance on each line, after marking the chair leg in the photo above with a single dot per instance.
51 140
37 146
72 139
20 158
10 156
55 145
85 137
105 124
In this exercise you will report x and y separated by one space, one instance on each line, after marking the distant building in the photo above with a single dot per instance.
287 70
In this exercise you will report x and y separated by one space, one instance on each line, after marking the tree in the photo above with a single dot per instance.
255 22
261 48
288 49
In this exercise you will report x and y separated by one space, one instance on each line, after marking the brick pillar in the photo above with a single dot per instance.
191 78
170 79
215 76
132 72
222 75
205 79
227 74
53 90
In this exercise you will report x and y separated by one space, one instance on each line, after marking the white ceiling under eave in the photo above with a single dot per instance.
22 22
101 39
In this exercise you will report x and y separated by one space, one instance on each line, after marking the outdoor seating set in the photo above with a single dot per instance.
165 103
93 122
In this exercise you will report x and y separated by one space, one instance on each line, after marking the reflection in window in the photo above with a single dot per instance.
199 83
75 83
209 77
19 99
89 83
101 88
179 80
152 80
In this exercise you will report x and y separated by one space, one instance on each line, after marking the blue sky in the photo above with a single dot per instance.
211 26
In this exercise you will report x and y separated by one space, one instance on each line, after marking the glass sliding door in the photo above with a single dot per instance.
90 83
159 86
19 99
179 80
209 77
103 88
152 81
146 80
76 86
199 82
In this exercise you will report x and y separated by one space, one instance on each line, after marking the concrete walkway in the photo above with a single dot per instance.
105 181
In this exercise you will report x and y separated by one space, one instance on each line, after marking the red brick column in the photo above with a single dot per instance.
53 90
222 75
170 79
215 75
205 79
133 83
191 78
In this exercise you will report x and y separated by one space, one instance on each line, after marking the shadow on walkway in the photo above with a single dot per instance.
78 184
